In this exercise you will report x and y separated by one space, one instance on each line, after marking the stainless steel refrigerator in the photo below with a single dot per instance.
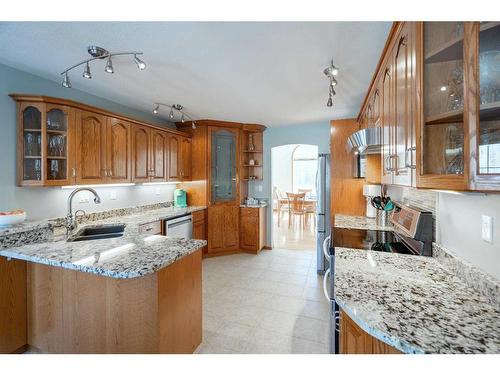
322 210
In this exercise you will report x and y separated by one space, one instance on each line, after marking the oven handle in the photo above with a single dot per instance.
325 247
325 289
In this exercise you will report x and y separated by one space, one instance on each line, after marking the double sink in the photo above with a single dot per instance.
98 232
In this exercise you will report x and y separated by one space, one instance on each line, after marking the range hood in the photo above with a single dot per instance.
365 141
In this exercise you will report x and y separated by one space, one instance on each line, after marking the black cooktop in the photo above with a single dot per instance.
364 239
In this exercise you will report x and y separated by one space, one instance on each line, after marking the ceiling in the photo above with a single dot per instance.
253 72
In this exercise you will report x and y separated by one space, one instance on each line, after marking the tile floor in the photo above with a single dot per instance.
267 303
294 238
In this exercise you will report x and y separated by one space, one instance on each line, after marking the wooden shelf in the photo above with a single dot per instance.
489 111
453 49
56 132
57 157
32 157
252 166
248 179
33 130
253 152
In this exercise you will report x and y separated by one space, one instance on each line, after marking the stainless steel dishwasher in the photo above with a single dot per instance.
179 226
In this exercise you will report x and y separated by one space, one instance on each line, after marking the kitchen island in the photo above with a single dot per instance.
413 304
137 293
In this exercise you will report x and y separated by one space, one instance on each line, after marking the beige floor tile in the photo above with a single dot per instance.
311 329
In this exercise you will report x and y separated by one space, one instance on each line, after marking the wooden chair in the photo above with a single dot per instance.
296 207
307 192
280 205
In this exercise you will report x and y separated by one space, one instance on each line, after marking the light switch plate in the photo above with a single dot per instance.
157 191
487 228
112 195
83 196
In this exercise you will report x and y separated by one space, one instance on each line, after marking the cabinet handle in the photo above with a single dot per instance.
110 173
105 172
325 288
410 164
73 172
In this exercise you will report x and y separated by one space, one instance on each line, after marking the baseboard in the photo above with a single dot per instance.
267 248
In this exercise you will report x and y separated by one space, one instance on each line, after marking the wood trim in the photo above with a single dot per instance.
187 125
89 108
395 28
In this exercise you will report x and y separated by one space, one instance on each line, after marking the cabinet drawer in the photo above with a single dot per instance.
249 212
151 228
198 216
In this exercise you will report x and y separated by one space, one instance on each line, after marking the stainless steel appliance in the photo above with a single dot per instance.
359 144
412 235
322 211
179 226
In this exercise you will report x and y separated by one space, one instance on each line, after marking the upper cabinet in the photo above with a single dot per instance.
61 142
438 92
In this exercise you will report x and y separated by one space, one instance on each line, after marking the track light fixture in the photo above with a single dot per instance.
175 108
99 53
331 71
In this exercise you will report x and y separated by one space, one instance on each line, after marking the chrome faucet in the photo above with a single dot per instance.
70 220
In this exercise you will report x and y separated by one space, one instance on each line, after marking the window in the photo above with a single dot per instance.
304 167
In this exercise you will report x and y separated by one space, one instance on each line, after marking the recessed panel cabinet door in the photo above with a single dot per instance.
186 150
216 229
118 164
90 148
173 158
387 120
159 155
140 153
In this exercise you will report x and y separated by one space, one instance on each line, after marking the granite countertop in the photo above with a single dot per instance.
359 222
414 304
130 256
25 226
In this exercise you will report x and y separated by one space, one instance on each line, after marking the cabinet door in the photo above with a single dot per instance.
353 340
442 143
173 158
387 121
216 229
118 161
141 171
90 150
199 231
186 152
159 155
376 108
404 116
249 230
59 137
29 148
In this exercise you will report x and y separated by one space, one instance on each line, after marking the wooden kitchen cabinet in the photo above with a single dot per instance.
118 151
61 142
200 226
223 225
90 148
252 228
354 340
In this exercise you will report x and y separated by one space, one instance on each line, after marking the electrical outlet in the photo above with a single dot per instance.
258 187
83 196
112 195
157 191
487 228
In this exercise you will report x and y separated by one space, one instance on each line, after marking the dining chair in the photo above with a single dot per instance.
296 208
307 192
281 206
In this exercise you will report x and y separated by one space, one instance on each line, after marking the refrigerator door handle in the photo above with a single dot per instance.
325 289
325 246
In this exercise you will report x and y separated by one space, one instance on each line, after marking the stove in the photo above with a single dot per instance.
375 240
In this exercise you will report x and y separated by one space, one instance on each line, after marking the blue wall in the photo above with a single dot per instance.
50 202
313 134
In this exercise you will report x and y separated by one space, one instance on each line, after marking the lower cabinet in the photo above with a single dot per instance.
200 227
252 228
223 228
354 340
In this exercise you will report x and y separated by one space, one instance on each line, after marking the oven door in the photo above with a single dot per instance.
328 290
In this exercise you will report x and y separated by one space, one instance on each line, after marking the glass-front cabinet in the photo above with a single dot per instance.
223 179
44 141
487 121
443 98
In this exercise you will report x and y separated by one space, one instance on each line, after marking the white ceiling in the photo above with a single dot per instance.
256 72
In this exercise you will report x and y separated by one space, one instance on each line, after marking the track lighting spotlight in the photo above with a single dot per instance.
86 71
329 103
193 125
157 109
332 91
109 66
178 108
140 64
331 71
66 82
171 114
182 118
333 82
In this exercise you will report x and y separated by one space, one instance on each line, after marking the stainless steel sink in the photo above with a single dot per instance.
98 232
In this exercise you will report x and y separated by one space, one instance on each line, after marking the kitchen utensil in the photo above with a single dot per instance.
377 202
